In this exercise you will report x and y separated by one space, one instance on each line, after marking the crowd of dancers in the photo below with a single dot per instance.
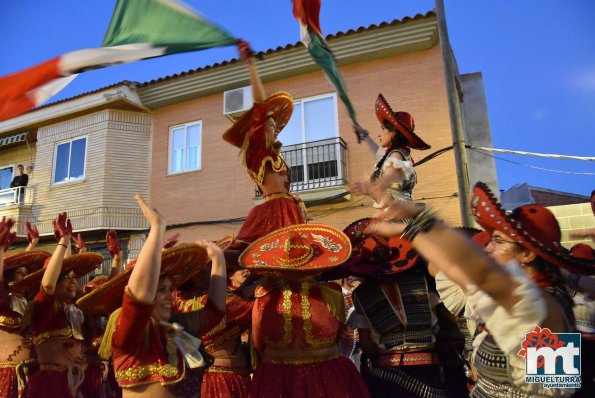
395 305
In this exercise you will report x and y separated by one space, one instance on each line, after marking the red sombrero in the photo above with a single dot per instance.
531 226
81 264
31 260
401 121
582 250
482 238
92 285
376 255
180 263
279 107
297 251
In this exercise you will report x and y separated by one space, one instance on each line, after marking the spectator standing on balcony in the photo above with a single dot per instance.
20 180
394 176
255 133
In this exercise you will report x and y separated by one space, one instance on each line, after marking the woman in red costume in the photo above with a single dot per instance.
229 375
150 354
255 133
58 327
297 321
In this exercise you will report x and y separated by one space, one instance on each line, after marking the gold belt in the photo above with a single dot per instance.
9 364
223 369
274 196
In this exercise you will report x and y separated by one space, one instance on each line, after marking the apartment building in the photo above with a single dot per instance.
91 153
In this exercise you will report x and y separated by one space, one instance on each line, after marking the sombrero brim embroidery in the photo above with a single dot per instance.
179 263
280 108
81 264
385 112
330 248
492 216
375 255
31 260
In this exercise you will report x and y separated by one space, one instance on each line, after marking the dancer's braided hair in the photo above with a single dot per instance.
397 142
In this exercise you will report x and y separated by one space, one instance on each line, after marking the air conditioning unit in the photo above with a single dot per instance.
236 102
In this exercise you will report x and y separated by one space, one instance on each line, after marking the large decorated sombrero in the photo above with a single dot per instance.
279 107
180 263
81 264
531 226
401 121
482 238
297 251
31 260
377 255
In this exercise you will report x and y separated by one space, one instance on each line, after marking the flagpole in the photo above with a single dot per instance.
456 124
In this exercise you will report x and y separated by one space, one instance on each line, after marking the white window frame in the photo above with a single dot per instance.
303 145
301 101
6 166
185 168
55 163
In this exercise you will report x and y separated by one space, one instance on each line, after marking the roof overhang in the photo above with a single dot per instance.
349 48
119 97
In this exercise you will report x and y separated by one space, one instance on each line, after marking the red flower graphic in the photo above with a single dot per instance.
540 338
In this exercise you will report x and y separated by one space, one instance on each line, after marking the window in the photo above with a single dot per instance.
310 144
184 148
5 177
69 160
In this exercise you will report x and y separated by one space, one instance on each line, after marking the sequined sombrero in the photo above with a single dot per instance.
297 251
279 107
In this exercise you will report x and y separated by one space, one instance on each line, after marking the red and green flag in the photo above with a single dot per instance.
307 13
138 30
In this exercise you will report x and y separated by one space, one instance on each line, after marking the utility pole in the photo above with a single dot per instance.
454 107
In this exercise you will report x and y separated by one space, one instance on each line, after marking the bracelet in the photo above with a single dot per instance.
62 244
423 222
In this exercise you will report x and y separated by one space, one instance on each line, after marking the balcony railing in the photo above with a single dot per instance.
317 164
14 196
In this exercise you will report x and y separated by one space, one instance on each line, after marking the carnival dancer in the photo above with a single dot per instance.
509 291
297 321
229 374
151 355
394 176
58 327
99 380
15 349
397 315
255 133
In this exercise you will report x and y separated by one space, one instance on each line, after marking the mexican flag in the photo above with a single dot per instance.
138 30
307 13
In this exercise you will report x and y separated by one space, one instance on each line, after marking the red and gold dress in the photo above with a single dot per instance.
143 353
295 329
56 329
279 209
15 350
229 376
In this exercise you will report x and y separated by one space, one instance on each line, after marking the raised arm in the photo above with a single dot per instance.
258 93
63 233
6 238
32 236
145 276
458 257
217 292
115 251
